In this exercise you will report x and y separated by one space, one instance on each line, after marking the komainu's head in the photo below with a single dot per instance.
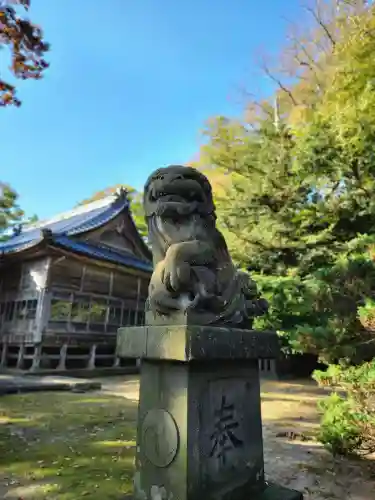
177 191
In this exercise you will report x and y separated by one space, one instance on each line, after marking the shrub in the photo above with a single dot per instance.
348 414
338 430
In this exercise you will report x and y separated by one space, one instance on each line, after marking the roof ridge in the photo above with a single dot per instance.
80 209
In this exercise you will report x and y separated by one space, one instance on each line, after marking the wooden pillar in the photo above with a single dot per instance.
36 357
84 268
4 353
21 353
138 297
111 278
273 368
267 368
62 361
43 305
91 362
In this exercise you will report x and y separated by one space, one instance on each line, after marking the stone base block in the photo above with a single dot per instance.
272 492
276 492
199 431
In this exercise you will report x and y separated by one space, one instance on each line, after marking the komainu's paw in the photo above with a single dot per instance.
162 303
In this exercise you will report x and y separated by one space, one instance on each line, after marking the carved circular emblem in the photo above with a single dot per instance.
159 437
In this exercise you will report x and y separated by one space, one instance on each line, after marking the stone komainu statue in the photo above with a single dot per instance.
193 271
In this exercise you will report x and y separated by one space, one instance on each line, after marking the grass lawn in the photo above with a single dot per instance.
66 446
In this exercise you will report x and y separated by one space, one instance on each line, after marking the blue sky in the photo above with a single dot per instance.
130 86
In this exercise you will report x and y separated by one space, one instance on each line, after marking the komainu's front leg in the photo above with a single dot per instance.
160 299
175 274
180 257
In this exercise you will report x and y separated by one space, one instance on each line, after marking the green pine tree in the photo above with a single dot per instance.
299 207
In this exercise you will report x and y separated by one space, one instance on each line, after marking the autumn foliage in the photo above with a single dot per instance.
25 41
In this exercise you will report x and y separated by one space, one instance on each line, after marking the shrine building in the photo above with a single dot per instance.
67 284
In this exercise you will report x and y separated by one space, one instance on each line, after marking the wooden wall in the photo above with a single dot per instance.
90 299
60 295
21 293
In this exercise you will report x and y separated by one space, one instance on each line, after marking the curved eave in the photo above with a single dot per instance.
21 248
100 253
90 252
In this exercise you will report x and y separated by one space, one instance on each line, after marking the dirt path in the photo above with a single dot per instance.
300 464
304 464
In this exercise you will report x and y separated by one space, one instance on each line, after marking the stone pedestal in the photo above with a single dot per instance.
199 423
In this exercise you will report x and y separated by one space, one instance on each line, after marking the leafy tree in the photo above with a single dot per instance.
337 148
10 212
299 71
25 41
299 205
138 212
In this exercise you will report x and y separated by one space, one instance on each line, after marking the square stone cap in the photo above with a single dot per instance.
189 342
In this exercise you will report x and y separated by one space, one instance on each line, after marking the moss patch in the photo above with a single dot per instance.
65 446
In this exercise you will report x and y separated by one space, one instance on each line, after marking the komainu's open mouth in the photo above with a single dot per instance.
177 191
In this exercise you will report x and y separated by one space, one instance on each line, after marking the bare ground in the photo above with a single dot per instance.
293 457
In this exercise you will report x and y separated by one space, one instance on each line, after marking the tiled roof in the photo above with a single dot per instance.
102 253
81 219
